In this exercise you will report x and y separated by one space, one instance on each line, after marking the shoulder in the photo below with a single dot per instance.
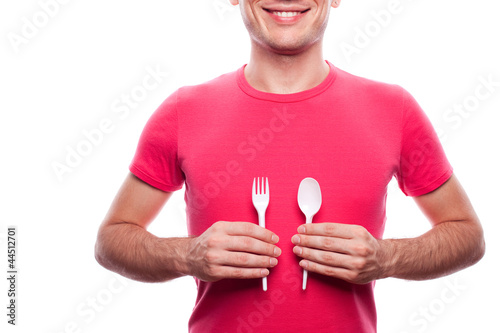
373 100
369 90
208 89
188 96
366 88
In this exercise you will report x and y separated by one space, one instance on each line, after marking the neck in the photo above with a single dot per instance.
286 74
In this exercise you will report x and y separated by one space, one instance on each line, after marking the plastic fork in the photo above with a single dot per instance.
260 199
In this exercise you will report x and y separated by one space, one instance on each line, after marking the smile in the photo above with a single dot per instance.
286 14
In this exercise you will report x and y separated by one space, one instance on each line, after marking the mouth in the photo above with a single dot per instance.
285 13
288 15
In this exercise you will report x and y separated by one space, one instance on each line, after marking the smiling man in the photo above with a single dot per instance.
288 114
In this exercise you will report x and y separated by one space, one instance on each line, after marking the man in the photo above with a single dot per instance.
288 114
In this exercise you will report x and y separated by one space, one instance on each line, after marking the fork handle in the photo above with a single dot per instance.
262 220
262 223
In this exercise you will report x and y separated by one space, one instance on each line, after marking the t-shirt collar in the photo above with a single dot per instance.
285 98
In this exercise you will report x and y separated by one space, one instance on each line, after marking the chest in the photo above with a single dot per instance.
351 152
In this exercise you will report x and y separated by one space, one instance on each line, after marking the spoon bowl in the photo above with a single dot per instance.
309 198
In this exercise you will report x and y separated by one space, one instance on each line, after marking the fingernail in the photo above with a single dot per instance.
273 262
277 251
264 272
274 239
296 239
297 250
301 229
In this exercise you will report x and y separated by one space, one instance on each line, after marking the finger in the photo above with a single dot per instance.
329 229
220 257
332 259
227 272
247 260
252 245
332 244
251 230
348 275
337 272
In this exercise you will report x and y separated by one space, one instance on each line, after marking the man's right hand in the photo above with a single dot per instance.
232 250
225 250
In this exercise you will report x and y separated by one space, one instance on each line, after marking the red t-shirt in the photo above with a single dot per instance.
349 133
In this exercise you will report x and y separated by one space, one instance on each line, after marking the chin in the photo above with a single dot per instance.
288 47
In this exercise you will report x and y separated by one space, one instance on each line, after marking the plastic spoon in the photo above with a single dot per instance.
309 198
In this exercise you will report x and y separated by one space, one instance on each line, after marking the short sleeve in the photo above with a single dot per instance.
155 160
423 164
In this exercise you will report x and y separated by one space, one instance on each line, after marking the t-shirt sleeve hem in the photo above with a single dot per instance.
151 181
432 186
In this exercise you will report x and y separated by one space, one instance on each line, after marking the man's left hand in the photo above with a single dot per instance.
344 251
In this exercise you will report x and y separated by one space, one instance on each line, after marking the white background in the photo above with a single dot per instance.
65 76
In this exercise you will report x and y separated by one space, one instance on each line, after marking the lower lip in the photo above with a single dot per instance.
287 20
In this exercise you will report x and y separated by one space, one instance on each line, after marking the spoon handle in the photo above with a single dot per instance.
304 275
304 280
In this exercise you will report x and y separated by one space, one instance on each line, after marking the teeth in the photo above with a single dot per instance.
286 14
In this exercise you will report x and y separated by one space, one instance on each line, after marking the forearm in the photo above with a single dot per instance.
240 250
445 249
135 253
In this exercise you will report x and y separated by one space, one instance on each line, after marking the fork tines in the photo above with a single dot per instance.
261 187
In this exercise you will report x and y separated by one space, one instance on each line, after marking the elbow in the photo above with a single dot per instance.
100 250
479 248
98 253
